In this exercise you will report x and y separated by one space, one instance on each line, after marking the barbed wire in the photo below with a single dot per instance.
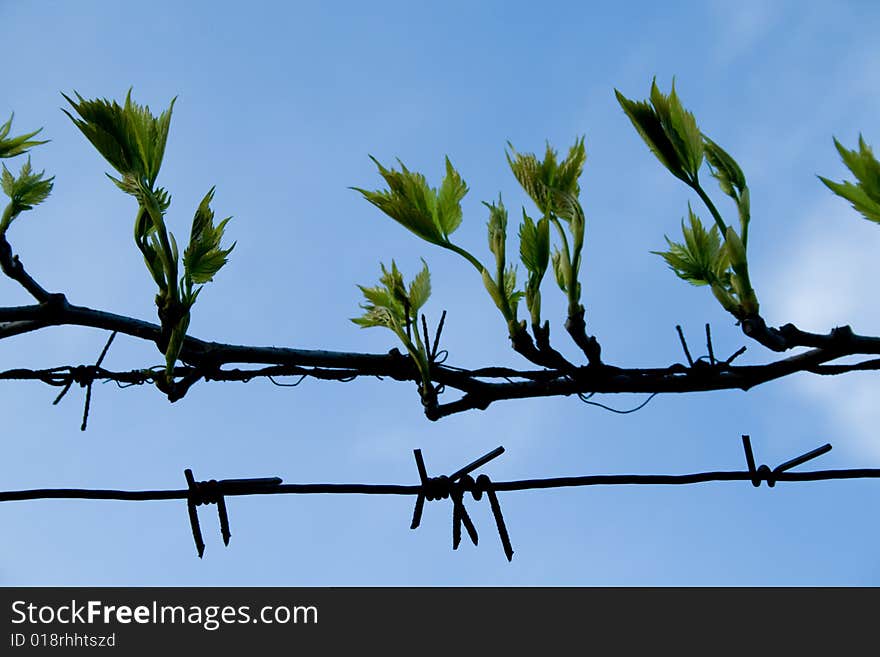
203 360
480 387
453 487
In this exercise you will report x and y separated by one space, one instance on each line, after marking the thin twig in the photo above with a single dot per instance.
684 346
709 345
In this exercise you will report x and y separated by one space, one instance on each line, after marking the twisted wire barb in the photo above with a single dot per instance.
453 487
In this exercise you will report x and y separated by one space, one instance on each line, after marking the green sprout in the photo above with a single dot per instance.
133 141
865 193
28 188
25 191
432 214
554 188
669 130
10 147
701 260
435 213
534 252
501 284
395 306
671 133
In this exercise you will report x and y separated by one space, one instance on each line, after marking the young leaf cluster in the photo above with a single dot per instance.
395 306
501 284
555 190
701 259
12 146
28 188
133 140
669 130
128 136
24 191
534 252
434 213
864 194
671 133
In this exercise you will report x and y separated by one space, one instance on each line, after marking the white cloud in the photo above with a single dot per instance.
742 25
828 271
825 279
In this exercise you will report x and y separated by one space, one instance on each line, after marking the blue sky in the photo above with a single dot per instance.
279 105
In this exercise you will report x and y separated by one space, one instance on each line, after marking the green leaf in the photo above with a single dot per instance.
388 305
855 194
156 204
560 265
448 205
372 318
702 260
510 292
497 229
569 208
16 145
864 166
534 244
681 128
207 266
534 250
389 302
380 297
570 169
743 205
724 295
150 132
8 181
420 289
128 136
731 180
25 191
494 292
650 128
736 252
393 281
530 173
699 260
175 343
204 257
430 214
865 193
541 179
154 264
725 169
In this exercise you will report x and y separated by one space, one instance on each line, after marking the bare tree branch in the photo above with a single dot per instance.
480 387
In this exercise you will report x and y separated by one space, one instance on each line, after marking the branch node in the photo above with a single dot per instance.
756 328
736 354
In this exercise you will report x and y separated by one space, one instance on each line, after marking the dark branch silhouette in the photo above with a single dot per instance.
480 387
